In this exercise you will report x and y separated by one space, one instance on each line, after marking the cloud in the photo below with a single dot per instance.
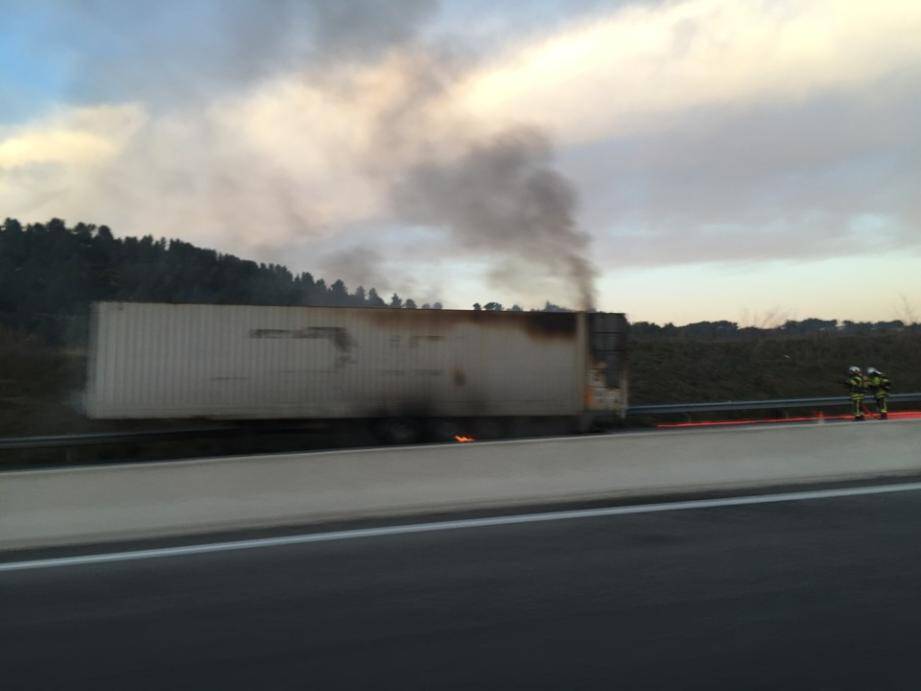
81 136
727 132
191 50
313 153
635 69
283 160
51 163
694 131
832 176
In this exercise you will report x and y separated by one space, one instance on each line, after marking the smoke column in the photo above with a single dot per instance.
502 196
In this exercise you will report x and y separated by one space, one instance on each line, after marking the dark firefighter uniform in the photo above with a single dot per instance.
857 388
879 385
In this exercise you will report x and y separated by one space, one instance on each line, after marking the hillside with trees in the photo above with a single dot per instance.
49 275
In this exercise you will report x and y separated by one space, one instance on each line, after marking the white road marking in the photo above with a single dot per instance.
466 523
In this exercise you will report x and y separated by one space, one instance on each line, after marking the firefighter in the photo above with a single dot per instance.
879 385
857 386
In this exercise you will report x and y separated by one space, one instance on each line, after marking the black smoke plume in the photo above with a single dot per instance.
503 197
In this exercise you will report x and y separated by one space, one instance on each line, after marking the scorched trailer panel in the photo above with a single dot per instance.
254 362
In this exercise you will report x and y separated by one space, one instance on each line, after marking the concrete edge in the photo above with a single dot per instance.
442 446
675 493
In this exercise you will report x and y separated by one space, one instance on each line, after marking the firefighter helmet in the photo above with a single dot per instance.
872 371
853 369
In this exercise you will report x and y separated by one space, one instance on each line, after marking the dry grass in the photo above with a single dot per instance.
677 371
39 386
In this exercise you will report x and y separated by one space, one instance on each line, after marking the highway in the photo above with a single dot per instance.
817 593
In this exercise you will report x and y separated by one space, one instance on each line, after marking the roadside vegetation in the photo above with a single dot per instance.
767 365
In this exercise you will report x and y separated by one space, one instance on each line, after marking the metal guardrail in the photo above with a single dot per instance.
774 404
103 438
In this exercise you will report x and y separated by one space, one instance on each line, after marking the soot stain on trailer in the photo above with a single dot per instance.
537 325
337 335
459 377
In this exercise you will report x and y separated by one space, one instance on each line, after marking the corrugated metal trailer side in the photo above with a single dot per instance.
254 362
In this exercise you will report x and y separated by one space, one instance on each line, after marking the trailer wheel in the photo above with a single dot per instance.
489 428
444 429
398 431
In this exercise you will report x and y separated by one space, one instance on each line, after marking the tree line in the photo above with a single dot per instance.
729 330
50 273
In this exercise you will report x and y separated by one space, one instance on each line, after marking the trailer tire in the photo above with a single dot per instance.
398 431
489 428
444 429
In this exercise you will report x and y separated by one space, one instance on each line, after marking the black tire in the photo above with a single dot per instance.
398 431
489 428
445 429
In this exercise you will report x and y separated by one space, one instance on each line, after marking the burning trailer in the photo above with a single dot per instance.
409 373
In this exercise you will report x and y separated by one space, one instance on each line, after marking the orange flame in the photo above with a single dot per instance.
463 439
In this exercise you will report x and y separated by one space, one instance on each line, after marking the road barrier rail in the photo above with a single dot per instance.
771 404
104 438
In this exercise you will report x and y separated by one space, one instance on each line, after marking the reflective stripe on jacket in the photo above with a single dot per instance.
879 385
857 386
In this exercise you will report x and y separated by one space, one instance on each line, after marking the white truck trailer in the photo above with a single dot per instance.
409 369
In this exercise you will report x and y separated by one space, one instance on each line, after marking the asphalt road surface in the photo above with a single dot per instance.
819 594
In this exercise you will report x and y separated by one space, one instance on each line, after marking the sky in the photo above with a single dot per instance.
679 160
